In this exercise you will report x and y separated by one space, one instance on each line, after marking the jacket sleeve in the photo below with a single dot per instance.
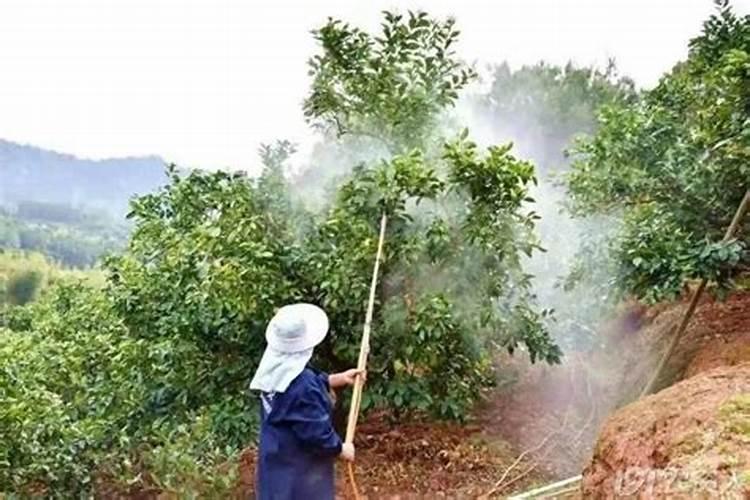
310 421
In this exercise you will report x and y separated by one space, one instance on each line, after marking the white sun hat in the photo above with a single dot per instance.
291 336
297 327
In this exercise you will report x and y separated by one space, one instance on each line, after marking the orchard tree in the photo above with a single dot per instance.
213 255
453 282
392 86
675 165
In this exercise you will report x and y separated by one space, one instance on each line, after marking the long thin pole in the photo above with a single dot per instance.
739 214
364 348
554 487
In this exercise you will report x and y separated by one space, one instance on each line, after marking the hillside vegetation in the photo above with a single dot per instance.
71 237
70 209
24 276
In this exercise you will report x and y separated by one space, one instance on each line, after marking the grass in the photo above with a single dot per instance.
735 415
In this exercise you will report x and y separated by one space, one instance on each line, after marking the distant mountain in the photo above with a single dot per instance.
28 173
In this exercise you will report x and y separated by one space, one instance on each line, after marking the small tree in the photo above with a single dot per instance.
460 252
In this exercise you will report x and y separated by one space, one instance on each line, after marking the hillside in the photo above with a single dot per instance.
29 173
693 435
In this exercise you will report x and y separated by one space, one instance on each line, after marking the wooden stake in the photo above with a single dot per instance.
364 348
739 214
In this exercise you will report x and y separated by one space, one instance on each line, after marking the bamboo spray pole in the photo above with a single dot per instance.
364 351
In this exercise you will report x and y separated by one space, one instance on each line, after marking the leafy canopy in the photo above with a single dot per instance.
393 85
546 106
675 164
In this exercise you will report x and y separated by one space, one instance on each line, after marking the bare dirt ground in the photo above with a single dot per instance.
416 460
691 440
555 412
719 335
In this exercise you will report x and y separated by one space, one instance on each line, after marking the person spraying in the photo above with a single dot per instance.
298 444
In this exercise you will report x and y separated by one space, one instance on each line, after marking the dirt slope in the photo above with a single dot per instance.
719 335
566 404
692 439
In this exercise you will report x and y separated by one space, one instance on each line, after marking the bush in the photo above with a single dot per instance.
70 384
83 398
22 287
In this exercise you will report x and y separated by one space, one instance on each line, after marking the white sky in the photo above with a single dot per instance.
202 82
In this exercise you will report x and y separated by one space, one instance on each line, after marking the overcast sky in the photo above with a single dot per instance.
203 82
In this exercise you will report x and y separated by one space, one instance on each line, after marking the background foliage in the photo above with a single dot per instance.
24 276
70 236
544 107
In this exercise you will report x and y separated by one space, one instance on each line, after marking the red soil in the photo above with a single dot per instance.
687 441
419 460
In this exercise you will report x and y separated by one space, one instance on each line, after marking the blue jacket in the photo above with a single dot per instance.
298 445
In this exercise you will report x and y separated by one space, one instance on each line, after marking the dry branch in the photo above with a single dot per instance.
500 485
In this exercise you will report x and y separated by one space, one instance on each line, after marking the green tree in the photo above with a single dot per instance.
392 86
460 249
212 255
675 165
207 264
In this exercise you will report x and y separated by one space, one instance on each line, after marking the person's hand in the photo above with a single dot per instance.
343 379
347 452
